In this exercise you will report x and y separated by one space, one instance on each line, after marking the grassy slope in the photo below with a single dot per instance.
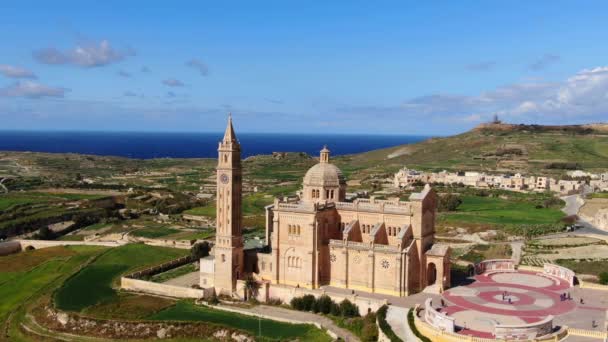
186 311
30 272
93 284
461 152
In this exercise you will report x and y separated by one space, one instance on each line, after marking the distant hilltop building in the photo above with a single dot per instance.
319 239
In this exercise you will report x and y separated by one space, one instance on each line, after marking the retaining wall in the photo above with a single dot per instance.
9 247
37 244
529 331
286 293
437 319
160 289
559 272
495 265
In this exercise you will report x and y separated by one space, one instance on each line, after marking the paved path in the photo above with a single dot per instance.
397 319
516 251
287 315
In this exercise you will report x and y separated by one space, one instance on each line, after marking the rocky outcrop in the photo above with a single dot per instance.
114 329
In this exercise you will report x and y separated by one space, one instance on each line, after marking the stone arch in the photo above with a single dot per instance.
431 274
29 248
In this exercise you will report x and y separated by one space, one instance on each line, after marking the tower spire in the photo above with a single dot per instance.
229 135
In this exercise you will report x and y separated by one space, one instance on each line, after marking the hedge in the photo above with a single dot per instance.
410 322
386 328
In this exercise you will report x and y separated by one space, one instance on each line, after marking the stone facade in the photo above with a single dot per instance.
319 238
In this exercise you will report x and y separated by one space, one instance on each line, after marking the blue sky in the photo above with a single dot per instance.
432 67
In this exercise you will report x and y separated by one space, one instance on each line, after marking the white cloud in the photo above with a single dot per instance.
31 89
15 72
86 56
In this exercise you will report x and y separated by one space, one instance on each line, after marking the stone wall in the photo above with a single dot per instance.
287 293
182 244
559 272
494 265
524 331
437 319
37 244
161 289
9 247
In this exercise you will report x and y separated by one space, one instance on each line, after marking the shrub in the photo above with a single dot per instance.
307 302
324 304
386 328
370 329
410 322
449 202
335 309
348 309
604 278
297 303
274 301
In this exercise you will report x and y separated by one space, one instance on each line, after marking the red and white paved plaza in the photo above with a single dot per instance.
520 297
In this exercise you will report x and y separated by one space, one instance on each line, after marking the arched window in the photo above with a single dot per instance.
298 229
331 193
263 266
288 261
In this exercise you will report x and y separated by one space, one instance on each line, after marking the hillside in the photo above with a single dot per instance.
495 147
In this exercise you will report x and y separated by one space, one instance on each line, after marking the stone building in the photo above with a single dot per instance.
319 239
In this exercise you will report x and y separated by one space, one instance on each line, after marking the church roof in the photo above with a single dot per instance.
324 174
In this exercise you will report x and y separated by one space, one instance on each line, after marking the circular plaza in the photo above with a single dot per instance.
503 302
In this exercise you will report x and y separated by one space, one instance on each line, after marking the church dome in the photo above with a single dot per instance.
324 174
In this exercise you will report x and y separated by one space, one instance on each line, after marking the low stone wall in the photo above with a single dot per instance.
437 319
559 272
160 289
37 244
286 293
527 332
495 265
160 268
182 244
9 247
437 335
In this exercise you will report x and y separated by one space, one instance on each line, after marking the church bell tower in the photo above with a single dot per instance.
229 216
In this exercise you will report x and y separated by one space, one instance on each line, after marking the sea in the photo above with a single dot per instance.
148 145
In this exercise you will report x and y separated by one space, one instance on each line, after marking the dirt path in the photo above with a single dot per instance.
286 315
516 251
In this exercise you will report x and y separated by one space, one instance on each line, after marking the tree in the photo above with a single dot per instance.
449 202
200 250
252 287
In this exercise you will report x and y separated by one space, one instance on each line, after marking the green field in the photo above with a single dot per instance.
28 273
273 330
93 284
154 232
18 198
593 267
253 204
495 211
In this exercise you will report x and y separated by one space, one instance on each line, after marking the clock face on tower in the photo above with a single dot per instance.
224 178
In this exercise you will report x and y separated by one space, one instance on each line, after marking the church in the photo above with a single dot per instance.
321 240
